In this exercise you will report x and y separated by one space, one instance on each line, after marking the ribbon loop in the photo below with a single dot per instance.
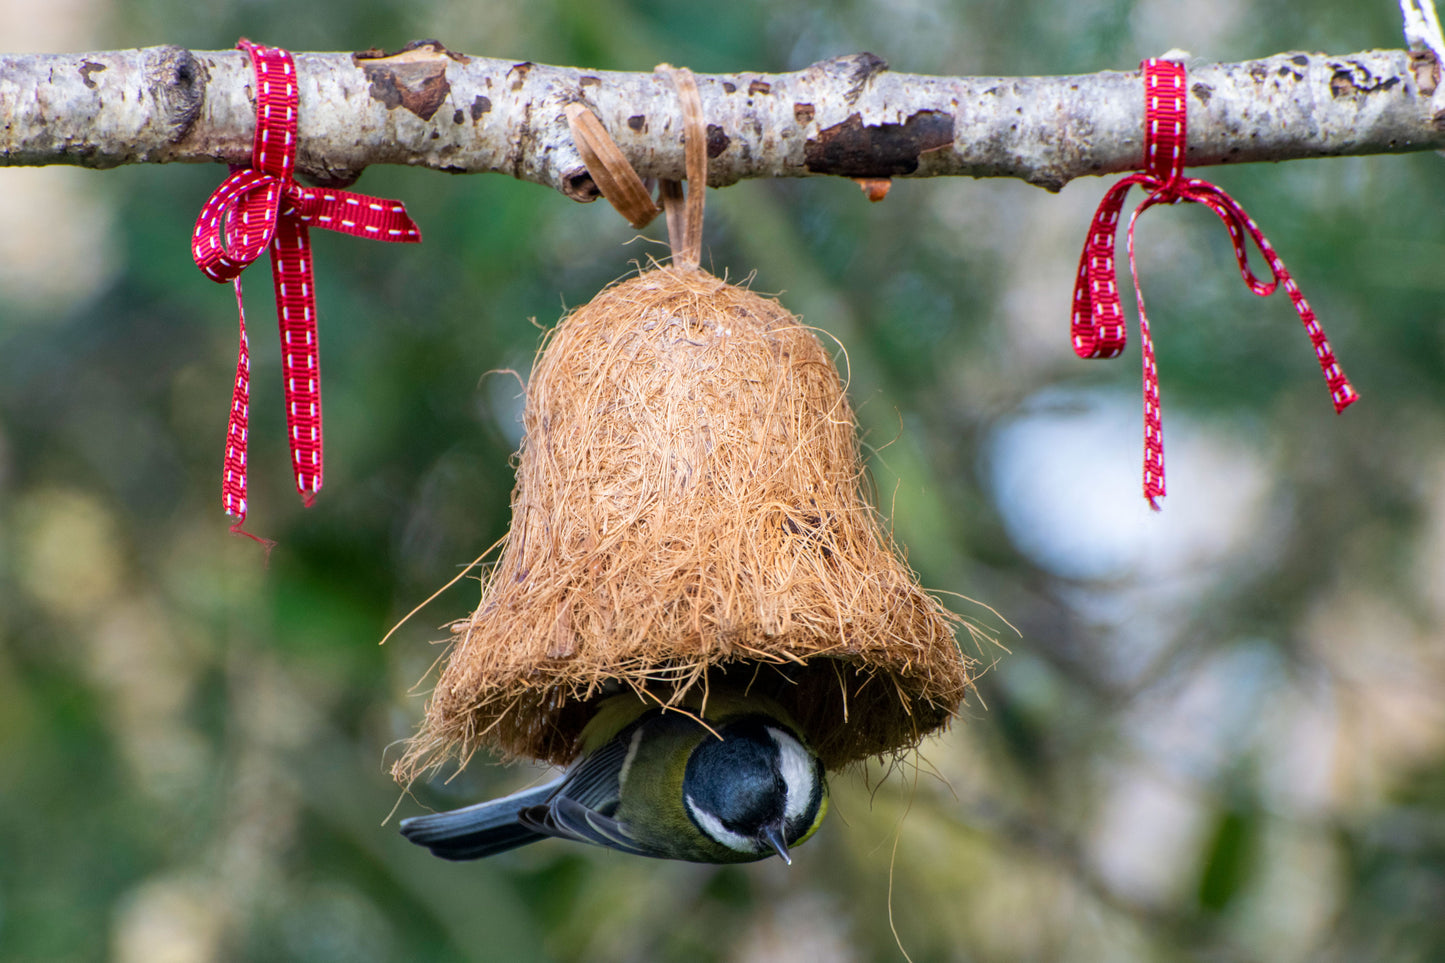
236 224
1097 328
259 208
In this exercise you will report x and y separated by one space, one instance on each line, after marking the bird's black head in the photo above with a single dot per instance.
756 790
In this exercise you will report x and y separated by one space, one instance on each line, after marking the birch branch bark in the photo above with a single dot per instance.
851 116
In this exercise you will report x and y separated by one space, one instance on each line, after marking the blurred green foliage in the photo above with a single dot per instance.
1226 746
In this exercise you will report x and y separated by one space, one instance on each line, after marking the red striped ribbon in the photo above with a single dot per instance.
262 207
1098 328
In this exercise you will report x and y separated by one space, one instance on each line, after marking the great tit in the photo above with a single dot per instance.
732 785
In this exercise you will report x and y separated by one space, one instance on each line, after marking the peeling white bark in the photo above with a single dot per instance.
850 116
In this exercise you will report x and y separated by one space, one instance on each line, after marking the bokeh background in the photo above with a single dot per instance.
1218 734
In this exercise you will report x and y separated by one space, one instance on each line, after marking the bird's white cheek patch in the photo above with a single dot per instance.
798 773
714 828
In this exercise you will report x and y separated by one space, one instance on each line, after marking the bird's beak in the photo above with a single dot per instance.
772 834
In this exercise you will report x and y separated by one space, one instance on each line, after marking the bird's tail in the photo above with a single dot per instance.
477 831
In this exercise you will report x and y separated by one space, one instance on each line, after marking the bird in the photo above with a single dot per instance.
732 784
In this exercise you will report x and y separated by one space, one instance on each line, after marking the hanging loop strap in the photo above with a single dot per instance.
684 217
609 167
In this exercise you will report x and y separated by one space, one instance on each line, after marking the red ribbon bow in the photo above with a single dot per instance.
1098 328
261 206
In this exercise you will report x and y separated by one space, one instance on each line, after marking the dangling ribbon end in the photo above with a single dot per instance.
1344 396
266 543
308 499
1154 481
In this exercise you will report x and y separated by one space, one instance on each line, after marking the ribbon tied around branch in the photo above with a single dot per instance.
1097 327
261 207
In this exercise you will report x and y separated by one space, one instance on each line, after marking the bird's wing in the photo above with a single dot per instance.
484 829
582 808
595 781
569 819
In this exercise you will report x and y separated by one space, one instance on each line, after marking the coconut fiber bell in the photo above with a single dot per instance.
688 513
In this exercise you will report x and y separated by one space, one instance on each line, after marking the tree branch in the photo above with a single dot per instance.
850 116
